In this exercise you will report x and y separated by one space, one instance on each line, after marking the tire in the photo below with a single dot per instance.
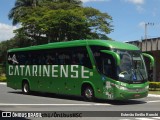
88 93
25 88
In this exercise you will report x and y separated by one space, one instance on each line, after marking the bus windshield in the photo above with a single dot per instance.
132 68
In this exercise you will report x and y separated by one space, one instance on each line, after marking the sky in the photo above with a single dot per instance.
129 18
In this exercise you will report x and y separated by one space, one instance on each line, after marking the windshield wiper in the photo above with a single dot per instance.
140 73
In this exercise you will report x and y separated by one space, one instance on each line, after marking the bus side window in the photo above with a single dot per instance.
108 64
31 58
49 59
81 57
105 63
74 59
56 59
107 67
62 57
68 59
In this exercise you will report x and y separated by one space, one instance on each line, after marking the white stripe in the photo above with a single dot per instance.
124 119
5 104
144 119
153 101
153 95
156 117
3 83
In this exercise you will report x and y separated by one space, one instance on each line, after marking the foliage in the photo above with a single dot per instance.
44 21
156 92
2 73
4 46
154 85
3 79
21 7
16 42
59 20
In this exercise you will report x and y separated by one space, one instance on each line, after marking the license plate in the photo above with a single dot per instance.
136 95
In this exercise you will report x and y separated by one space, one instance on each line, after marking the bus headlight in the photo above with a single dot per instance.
147 87
123 88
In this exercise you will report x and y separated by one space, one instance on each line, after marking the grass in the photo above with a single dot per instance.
2 78
2 75
154 92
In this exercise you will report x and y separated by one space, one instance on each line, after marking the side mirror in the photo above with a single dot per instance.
150 57
115 55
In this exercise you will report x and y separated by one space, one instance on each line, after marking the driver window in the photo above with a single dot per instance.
107 66
105 63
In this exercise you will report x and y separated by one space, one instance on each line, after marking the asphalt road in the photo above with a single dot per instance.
14 100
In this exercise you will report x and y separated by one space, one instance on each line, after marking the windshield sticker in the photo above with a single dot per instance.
109 90
134 77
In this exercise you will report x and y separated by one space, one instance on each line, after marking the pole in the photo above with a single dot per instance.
145 32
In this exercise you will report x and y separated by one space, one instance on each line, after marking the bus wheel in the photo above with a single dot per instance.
88 93
25 88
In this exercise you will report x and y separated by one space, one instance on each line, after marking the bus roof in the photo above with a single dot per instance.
107 43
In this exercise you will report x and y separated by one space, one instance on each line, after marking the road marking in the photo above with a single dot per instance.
156 117
153 101
152 118
3 83
5 104
124 119
144 119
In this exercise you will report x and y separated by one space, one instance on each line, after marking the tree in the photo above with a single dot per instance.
99 23
78 2
19 10
4 46
61 20
15 42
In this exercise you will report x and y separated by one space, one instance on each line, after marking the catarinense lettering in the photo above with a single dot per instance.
49 71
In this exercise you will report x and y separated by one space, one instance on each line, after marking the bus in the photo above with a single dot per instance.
100 69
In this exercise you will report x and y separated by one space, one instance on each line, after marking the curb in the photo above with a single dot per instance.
153 95
3 83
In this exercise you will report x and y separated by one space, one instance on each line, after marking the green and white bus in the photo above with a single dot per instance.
90 68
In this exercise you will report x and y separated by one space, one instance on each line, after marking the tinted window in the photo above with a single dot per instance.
64 56
105 63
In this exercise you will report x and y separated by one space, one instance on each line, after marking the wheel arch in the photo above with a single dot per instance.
85 84
26 80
